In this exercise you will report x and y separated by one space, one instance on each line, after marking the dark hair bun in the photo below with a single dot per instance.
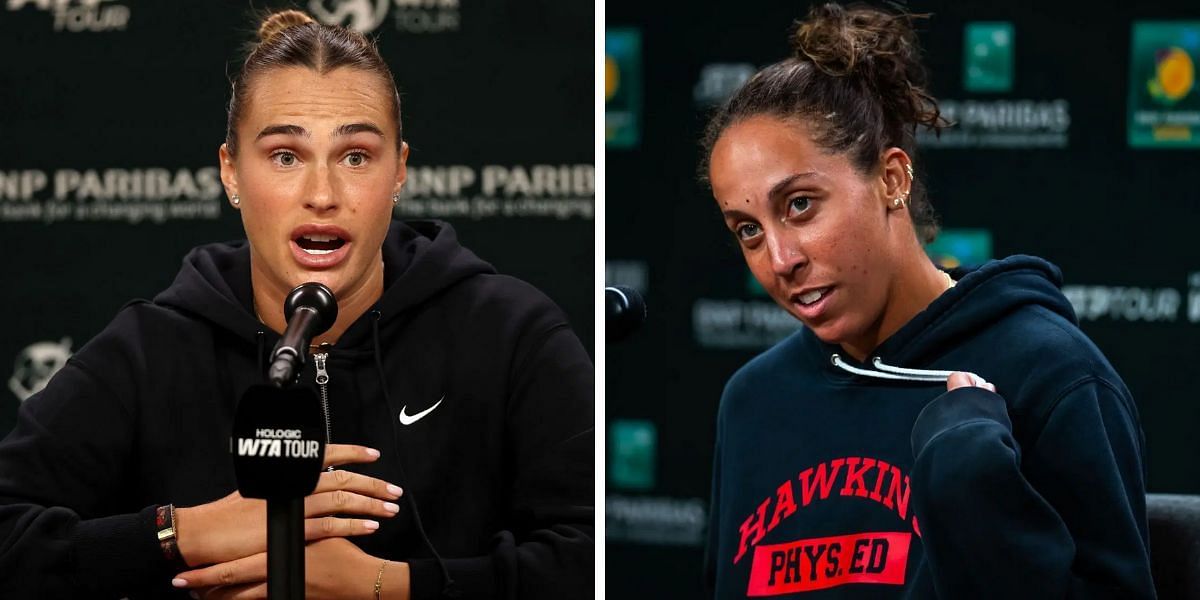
277 22
878 47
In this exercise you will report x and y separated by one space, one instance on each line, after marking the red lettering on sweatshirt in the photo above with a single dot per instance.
819 563
863 477
785 504
895 495
854 477
753 526
809 484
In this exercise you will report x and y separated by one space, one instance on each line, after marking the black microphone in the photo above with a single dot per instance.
624 312
310 310
278 448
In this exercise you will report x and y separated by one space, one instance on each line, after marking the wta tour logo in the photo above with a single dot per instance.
36 364
410 16
79 15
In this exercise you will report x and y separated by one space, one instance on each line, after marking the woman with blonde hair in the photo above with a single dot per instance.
457 402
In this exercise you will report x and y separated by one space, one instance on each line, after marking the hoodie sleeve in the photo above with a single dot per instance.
60 468
989 532
547 549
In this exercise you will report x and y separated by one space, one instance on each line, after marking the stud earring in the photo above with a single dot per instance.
898 202
396 198
236 200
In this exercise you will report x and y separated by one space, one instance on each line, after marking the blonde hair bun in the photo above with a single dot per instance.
277 22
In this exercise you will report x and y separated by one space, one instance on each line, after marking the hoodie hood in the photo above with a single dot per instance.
982 297
421 260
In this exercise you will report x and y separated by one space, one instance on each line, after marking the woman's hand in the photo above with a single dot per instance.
334 569
964 379
236 527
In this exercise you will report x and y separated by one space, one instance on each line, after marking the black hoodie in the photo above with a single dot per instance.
498 475
840 479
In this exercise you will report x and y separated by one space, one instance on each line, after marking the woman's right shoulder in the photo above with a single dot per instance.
139 329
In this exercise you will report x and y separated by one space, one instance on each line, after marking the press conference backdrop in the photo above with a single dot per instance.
1078 141
111 113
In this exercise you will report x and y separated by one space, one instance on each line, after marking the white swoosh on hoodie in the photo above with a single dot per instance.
409 420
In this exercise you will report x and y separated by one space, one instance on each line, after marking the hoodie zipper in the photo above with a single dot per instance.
323 385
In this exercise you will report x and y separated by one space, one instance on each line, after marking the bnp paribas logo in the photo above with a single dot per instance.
988 57
36 364
1164 107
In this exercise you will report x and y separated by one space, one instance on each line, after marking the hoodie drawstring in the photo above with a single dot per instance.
890 372
449 589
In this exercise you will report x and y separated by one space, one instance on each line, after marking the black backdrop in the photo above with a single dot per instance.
1044 167
111 112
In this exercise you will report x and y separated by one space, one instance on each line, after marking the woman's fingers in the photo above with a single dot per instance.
357 483
347 503
345 454
960 379
327 527
251 569
245 591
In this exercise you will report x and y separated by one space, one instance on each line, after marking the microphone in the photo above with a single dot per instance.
278 442
624 312
310 310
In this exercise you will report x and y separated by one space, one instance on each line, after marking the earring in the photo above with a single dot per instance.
236 200
898 202
910 171
396 198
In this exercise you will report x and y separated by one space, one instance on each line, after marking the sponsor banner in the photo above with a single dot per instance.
74 16
988 50
1020 123
819 563
407 16
1164 106
35 365
732 324
988 57
100 195
1136 304
632 446
622 88
655 520
499 191
958 247
718 81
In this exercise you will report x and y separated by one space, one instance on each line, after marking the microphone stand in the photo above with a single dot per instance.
285 531
285 549
287 468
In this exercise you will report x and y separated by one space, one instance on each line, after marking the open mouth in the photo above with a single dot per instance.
316 244
812 296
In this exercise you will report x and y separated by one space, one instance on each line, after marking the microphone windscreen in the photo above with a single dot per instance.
278 442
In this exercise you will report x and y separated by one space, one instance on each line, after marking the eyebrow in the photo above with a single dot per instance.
784 183
296 130
775 190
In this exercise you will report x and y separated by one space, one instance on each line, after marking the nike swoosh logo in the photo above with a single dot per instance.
410 419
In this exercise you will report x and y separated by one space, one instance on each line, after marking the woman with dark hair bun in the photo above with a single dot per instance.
457 402
927 434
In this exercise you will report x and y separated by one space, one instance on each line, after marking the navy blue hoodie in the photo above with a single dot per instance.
497 473
840 479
